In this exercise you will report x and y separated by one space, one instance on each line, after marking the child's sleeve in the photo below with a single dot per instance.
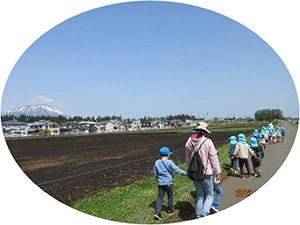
262 152
237 149
155 170
252 152
176 169
231 151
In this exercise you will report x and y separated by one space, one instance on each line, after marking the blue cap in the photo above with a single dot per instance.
242 138
232 140
253 142
165 151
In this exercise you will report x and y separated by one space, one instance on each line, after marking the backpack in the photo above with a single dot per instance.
196 168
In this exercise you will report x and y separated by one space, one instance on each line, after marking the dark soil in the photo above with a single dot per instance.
82 162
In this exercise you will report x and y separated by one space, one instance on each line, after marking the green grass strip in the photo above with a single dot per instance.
135 203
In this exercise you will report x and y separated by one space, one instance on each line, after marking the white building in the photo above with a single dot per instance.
44 127
135 125
14 128
101 126
190 123
110 126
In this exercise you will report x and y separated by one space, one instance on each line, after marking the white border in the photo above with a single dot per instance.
23 22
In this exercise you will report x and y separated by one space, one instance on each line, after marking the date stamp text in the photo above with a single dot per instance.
244 192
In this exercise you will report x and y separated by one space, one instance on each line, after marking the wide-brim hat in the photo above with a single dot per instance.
202 126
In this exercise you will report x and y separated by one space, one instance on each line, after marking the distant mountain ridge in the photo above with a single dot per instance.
34 110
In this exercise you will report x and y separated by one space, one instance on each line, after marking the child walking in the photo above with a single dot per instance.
283 134
217 188
243 150
234 160
278 134
256 160
274 135
256 135
163 173
265 134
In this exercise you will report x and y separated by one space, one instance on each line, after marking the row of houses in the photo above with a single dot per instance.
14 128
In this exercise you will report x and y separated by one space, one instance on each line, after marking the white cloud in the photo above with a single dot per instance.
42 99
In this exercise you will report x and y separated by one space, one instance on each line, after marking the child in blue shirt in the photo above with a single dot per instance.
279 133
163 173
217 188
256 135
234 159
283 134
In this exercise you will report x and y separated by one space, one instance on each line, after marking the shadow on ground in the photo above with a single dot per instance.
186 210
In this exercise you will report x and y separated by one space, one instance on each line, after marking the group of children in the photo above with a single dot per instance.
272 135
239 154
239 151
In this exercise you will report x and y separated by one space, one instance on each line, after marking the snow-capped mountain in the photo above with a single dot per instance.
34 110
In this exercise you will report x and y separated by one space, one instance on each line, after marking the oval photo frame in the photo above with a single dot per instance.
107 6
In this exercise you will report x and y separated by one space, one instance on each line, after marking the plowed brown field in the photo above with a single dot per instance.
70 168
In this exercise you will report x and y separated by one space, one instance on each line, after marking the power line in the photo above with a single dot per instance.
108 167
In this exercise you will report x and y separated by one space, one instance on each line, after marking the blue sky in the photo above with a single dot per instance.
153 59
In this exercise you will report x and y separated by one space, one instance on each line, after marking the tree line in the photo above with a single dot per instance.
268 114
260 115
62 119
57 119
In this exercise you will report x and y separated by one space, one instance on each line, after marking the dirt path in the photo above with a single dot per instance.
275 155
